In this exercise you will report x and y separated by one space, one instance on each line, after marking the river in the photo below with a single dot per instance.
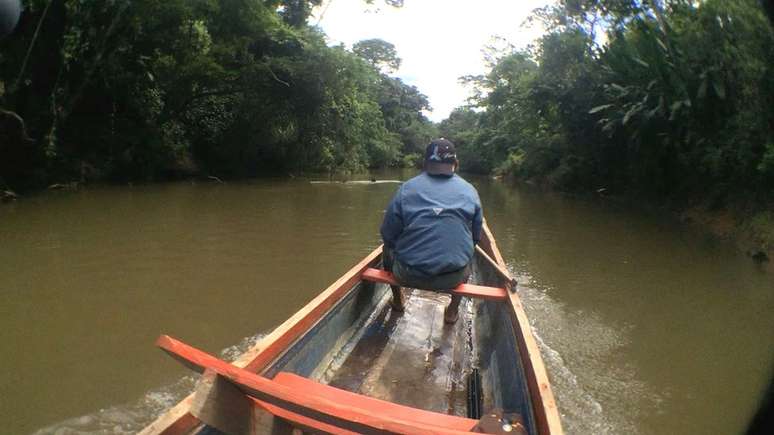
646 326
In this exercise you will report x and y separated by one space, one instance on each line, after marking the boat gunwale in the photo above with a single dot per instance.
544 403
179 420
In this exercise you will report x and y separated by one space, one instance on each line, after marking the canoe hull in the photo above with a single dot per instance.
349 338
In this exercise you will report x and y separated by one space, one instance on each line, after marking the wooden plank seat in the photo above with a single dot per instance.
303 399
469 290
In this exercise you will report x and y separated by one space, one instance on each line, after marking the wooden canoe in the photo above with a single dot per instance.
347 363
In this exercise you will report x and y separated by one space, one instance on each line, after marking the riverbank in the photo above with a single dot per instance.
751 231
748 225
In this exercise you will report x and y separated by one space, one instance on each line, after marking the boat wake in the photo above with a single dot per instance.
132 417
596 392
127 418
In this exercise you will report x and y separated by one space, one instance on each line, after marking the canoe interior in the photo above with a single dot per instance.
413 358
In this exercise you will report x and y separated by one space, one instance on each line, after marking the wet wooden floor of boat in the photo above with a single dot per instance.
411 358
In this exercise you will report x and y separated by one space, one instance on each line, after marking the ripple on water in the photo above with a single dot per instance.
596 392
127 418
131 418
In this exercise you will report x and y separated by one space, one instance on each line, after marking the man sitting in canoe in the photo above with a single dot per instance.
431 227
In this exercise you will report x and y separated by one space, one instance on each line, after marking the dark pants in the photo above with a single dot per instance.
407 277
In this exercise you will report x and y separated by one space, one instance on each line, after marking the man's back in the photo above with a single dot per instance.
433 222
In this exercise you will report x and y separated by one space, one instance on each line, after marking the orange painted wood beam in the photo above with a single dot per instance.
360 416
300 421
469 290
309 386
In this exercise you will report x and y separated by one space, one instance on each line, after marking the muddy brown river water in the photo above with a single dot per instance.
646 327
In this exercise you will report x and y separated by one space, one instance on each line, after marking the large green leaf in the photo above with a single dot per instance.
630 113
600 108
641 62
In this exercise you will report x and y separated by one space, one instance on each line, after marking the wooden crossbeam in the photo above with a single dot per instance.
384 407
469 290
356 416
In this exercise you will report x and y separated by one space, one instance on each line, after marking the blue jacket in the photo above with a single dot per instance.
433 223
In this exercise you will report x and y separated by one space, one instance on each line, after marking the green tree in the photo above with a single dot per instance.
379 53
676 103
149 89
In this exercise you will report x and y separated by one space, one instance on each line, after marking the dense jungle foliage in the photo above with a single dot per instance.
120 90
672 99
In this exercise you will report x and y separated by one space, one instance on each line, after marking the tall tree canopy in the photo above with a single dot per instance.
379 53
678 102
147 89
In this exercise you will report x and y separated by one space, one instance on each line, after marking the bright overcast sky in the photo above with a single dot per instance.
438 40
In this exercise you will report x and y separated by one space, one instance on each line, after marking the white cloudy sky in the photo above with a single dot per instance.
438 40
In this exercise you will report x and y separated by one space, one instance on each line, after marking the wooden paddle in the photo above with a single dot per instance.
510 282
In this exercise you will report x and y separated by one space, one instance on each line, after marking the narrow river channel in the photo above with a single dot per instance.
646 327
